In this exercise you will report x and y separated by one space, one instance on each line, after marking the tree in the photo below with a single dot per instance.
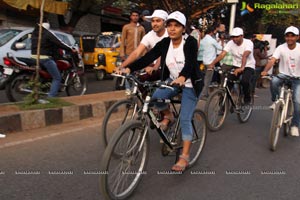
79 8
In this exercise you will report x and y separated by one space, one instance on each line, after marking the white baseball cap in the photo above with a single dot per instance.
178 16
292 29
237 32
158 13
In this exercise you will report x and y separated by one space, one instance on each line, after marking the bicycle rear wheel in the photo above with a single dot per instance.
288 118
199 136
117 114
123 172
216 109
275 125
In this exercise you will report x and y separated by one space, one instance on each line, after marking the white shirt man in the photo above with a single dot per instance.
158 32
289 70
289 63
238 50
243 60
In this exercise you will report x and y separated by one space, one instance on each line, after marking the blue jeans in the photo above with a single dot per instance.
51 67
275 91
188 105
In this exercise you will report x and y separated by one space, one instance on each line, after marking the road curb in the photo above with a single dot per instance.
87 106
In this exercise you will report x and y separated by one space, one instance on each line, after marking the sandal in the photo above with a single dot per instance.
167 121
181 167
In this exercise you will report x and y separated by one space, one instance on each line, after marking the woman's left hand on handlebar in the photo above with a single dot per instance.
179 81
120 70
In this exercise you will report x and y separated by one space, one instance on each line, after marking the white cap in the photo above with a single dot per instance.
178 16
237 32
158 13
292 29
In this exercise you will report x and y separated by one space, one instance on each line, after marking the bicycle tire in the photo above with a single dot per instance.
199 136
215 110
275 126
112 116
289 115
123 171
245 112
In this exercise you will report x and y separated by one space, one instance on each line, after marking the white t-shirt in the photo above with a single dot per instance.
175 61
238 51
289 63
151 38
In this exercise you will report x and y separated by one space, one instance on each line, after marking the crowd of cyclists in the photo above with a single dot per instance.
189 61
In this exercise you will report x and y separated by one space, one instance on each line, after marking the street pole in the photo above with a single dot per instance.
37 77
232 13
232 17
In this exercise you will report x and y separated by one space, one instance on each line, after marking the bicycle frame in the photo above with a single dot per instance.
228 93
149 113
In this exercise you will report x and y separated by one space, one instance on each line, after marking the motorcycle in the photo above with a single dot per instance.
22 71
3 78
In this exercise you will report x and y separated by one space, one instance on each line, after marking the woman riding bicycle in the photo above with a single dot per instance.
179 66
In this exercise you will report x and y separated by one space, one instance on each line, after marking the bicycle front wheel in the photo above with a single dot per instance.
216 109
275 125
199 136
245 112
117 114
123 172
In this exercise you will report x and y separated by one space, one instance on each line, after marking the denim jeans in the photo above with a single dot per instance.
275 91
188 105
51 67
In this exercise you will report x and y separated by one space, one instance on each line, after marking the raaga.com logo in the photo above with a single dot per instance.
271 7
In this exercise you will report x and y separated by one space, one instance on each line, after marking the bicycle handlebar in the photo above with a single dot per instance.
161 84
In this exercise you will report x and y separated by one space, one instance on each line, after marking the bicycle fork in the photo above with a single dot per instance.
285 103
286 107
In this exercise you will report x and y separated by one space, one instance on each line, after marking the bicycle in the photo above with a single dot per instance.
123 110
282 113
125 158
217 105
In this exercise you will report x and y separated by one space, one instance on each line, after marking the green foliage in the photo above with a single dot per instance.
279 17
53 103
30 98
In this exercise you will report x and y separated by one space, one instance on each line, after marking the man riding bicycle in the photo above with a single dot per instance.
158 32
243 60
289 69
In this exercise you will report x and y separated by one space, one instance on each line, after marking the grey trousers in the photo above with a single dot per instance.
207 79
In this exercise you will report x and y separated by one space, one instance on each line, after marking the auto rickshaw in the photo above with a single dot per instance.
106 53
102 52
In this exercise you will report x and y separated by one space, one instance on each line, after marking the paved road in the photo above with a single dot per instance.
94 86
237 158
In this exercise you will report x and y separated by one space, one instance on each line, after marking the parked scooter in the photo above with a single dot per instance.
21 72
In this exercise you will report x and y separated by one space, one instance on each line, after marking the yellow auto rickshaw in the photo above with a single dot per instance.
104 54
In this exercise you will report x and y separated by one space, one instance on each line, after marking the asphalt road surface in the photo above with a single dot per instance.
54 164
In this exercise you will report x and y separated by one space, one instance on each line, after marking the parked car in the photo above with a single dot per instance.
101 51
9 37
